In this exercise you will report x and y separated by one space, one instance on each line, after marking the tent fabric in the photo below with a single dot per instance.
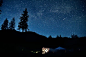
60 48
56 49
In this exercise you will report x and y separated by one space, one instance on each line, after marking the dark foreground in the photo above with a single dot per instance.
22 50
40 55
17 44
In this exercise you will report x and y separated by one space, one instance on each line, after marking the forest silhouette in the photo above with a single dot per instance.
13 41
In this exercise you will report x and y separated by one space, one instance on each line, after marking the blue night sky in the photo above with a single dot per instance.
48 17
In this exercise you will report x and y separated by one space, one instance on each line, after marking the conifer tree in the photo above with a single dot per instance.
12 24
5 25
23 21
50 36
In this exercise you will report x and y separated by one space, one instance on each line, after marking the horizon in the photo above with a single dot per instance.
43 35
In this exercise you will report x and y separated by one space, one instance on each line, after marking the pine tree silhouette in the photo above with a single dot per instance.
57 36
5 25
50 36
12 24
60 36
1 1
74 36
23 21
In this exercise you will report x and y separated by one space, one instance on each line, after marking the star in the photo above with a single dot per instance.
48 17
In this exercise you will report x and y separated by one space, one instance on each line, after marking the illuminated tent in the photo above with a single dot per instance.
57 49
60 48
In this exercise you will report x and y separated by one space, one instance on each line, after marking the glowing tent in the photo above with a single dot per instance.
60 48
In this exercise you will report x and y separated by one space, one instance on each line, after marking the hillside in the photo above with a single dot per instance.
9 35
12 41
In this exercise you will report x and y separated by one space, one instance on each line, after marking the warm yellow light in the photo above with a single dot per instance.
43 52
46 50
36 52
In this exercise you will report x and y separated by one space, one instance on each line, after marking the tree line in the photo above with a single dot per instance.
22 24
59 37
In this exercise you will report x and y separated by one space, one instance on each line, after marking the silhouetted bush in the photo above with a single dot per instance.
74 36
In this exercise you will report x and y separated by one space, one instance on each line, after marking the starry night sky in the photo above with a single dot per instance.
48 17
